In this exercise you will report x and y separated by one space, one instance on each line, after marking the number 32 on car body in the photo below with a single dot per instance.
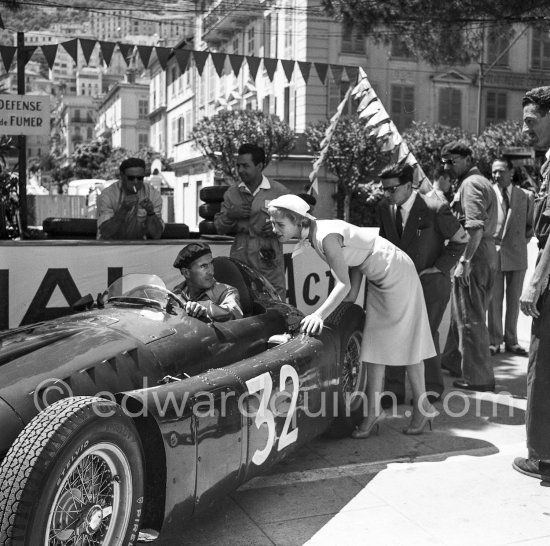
264 383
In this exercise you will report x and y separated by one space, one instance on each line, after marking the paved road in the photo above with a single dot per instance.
454 485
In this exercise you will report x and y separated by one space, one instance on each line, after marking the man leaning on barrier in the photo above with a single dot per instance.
202 294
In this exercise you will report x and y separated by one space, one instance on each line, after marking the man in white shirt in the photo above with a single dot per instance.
513 232
244 211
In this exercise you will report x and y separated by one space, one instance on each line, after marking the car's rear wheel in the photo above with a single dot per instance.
349 320
74 476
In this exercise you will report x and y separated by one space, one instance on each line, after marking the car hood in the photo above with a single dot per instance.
47 361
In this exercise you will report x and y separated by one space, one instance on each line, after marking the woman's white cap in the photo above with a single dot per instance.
294 203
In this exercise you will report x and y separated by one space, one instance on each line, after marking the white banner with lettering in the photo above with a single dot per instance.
40 280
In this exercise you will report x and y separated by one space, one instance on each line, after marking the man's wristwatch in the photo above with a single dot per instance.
463 260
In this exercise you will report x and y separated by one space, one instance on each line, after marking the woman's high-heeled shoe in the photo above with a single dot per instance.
427 419
360 433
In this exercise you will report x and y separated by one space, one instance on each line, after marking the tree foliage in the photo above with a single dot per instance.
354 158
439 31
425 142
219 137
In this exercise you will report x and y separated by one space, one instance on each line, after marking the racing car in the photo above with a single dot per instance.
131 414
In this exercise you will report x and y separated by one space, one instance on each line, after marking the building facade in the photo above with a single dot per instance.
122 116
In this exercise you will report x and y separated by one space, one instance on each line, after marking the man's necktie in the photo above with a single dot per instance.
505 200
399 221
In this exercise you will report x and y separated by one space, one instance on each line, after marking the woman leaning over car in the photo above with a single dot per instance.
397 331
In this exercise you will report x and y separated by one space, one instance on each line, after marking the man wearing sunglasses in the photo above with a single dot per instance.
425 228
131 208
475 204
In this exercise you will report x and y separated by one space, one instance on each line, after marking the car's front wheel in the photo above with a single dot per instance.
74 476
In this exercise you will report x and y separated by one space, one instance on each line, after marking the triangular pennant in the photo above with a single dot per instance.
162 55
379 117
236 62
270 67
253 65
71 47
219 61
87 47
365 97
337 70
50 52
305 68
7 53
200 60
362 87
27 53
144 53
373 108
126 50
288 67
107 49
321 71
403 152
353 73
182 58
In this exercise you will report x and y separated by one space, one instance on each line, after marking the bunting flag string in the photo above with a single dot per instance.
144 53
314 187
219 62
380 126
377 124
335 72
236 62
127 51
87 47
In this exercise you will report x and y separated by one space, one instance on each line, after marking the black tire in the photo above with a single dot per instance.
70 226
349 320
79 460
207 227
175 231
212 194
208 210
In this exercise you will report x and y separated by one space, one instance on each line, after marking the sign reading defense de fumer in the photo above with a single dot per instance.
24 115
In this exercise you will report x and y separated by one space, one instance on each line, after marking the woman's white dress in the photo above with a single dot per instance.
397 331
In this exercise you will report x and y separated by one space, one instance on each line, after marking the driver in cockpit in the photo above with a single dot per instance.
202 294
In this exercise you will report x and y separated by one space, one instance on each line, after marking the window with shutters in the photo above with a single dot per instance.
540 50
143 140
181 129
400 50
353 40
143 107
497 49
496 107
450 107
402 105
267 36
250 39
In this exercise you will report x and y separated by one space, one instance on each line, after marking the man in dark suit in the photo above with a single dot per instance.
425 228
513 232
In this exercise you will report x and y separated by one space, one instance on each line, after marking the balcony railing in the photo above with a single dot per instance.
225 15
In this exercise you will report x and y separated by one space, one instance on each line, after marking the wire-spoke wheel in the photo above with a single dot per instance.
73 477
349 320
